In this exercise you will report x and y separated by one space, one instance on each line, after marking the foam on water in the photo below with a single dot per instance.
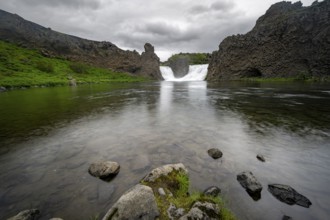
196 73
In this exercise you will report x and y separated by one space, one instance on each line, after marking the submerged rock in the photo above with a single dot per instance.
31 214
285 217
2 89
249 182
137 203
202 211
214 153
261 158
288 195
164 171
104 170
212 191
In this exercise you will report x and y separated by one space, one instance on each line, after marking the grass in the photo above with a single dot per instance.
176 186
21 67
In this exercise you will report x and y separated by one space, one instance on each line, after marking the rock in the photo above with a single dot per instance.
288 195
261 158
2 89
161 192
55 219
72 82
175 213
104 170
150 63
289 40
214 153
137 203
180 66
164 171
285 217
249 182
202 211
212 191
31 214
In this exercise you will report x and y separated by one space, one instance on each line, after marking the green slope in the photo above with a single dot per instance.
21 67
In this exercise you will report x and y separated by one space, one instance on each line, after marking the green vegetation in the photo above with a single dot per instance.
21 67
176 186
194 58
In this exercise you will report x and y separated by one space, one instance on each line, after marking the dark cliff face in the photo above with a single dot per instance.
16 30
289 40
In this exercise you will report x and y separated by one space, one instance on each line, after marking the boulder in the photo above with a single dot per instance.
288 195
72 82
137 203
249 182
174 213
212 191
31 214
214 153
2 89
104 170
203 211
261 158
164 171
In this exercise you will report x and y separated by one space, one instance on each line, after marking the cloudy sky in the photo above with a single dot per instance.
172 26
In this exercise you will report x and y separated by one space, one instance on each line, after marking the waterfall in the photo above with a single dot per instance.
196 73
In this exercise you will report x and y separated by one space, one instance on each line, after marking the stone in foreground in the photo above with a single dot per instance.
214 153
288 195
31 214
164 171
202 211
251 184
261 158
212 191
104 170
137 203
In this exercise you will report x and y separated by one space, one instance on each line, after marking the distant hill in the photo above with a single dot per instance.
288 41
15 29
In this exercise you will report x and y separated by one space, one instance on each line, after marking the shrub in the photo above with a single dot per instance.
45 66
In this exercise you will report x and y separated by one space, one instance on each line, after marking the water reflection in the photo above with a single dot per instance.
143 126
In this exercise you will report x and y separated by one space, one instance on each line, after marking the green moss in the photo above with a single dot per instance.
21 67
176 186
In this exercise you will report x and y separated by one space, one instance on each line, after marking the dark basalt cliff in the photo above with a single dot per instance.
288 41
24 33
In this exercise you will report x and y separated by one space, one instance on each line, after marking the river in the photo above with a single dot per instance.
50 136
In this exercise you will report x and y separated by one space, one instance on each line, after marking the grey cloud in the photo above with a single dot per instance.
91 4
198 9
223 5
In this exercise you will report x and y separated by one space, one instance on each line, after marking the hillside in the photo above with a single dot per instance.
288 41
21 67
15 29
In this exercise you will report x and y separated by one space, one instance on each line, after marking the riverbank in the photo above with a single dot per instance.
21 67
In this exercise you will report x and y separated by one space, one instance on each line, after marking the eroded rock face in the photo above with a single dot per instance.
249 182
180 66
288 41
137 203
31 214
164 171
51 43
288 195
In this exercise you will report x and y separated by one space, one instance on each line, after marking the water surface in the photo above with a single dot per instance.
49 136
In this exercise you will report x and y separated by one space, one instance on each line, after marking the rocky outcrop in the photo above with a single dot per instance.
31 214
249 182
202 211
164 171
180 66
50 43
288 41
288 195
137 203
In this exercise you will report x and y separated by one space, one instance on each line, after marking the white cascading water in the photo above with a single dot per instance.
196 73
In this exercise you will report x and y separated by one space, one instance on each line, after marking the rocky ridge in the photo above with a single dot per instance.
15 29
288 41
